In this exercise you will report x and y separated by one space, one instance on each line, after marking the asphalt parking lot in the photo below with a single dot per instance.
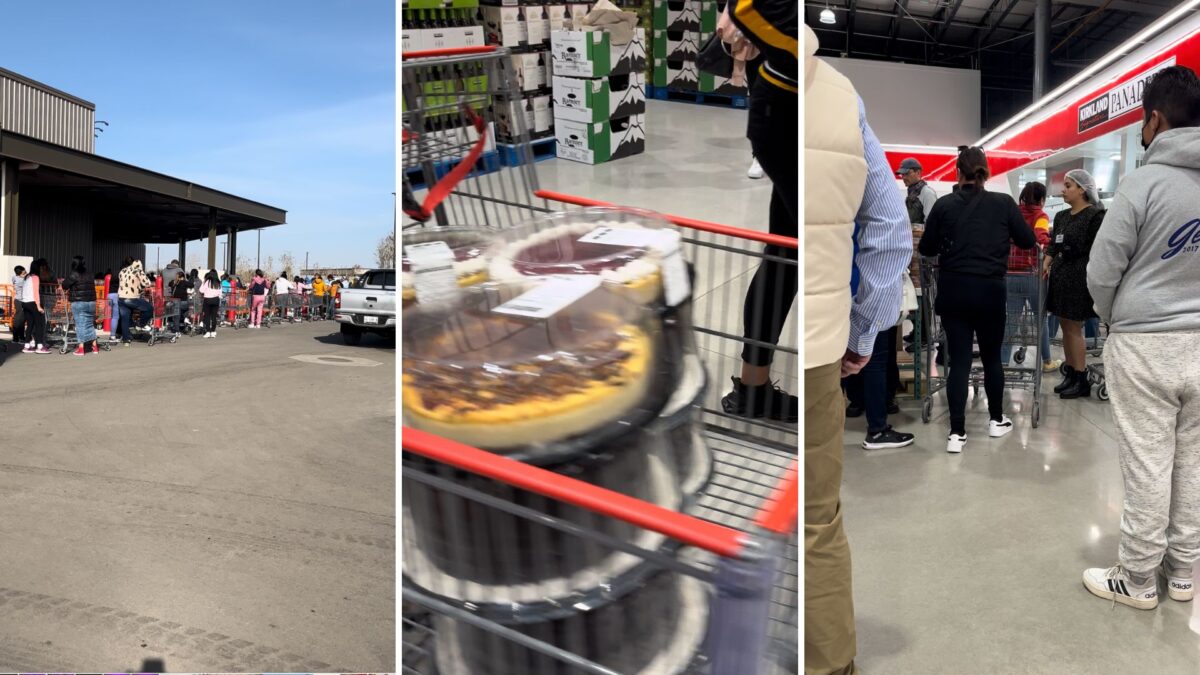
222 505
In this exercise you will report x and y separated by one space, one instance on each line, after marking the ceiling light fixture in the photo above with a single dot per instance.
827 16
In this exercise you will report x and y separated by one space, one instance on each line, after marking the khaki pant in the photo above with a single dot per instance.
829 638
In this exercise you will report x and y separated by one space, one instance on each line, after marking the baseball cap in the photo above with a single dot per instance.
907 165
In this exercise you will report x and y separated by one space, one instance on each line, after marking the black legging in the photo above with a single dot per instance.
972 308
35 324
773 137
211 305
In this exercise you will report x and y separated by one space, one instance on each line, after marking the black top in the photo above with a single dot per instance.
180 288
978 246
80 288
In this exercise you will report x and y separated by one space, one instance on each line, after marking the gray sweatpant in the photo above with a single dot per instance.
1154 382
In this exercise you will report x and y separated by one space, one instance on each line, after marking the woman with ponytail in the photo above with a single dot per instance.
971 232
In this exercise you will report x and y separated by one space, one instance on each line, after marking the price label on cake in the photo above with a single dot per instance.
550 297
640 237
434 278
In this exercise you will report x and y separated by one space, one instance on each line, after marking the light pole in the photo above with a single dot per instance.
306 261
223 261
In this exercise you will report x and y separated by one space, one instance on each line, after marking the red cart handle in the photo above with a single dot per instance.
690 223
440 190
709 536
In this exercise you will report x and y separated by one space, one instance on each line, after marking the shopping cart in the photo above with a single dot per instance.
1022 332
166 309
70 335
237 309
726 553
58 316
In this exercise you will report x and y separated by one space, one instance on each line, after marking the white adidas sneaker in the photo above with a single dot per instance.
1114 584
1001 428
1179 583
955 443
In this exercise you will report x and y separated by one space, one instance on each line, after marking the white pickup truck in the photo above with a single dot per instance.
369 306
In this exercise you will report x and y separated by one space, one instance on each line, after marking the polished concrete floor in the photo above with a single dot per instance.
972 563
219 505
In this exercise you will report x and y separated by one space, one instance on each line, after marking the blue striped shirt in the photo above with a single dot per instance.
883 238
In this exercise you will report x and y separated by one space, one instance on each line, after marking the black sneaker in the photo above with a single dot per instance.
853 411
893 408
765 400
887 439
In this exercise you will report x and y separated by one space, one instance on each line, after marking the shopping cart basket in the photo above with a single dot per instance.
237 308
70 336
1024 324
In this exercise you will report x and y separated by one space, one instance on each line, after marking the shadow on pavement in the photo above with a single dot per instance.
369 341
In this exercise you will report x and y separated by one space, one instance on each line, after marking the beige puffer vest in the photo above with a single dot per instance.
835 175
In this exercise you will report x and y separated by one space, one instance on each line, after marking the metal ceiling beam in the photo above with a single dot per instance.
983 21
867 11
895 27
850 13
1003 15
946 23
1142 7
1080 45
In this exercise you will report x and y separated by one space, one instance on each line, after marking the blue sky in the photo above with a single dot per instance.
287 102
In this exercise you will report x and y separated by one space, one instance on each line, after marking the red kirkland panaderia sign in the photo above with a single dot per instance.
1100 111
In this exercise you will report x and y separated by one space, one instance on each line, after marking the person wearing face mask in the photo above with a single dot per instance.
971 232
1143 274
1065 265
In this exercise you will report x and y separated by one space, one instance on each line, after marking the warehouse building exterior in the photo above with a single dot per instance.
59 199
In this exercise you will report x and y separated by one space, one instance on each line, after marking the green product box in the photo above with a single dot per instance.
596 143
590 54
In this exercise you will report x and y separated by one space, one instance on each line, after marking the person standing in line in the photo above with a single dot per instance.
771 25
1066 266
18 318
1143 273
35 314
258 297
318 292
971 232
180 290
920 198
1024 282
81 293
134 283
114 300
846 165
283 294
210 293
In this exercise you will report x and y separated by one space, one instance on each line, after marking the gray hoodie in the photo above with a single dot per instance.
1144 270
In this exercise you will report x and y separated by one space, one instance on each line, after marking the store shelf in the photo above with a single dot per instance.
512 155
488 162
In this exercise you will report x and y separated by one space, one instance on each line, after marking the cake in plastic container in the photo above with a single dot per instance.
510 565
468 246
655 628
639 251
680 423
539 366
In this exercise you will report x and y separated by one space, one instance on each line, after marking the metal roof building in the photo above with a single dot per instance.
59 199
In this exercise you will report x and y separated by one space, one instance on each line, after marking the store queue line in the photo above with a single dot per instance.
1122 265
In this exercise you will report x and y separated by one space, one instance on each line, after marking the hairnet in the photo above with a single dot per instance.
1084 180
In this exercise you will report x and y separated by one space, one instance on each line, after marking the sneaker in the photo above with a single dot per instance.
1114 584
28 349
765 400
955 443
853 411
1179 582
126 343
756 170
79 351
893 408
1051 366
887 439
1001 428
42 350
96 348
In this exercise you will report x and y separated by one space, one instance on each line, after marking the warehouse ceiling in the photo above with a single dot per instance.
992 36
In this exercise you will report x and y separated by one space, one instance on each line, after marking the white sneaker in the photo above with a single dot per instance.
1114 584
1179 583
208 335
1001 428
955 443
755 171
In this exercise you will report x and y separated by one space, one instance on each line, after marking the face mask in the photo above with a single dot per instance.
1145 145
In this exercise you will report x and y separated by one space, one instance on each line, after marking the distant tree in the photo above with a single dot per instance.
385 253
287 264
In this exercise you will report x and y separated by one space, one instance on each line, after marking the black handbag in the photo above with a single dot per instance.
714 58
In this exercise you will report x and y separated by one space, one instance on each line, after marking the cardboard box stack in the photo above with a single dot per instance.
599 95
681 27
524 28
440 24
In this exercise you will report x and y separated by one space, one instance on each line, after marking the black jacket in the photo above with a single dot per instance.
774 27
80 288
181 289
978 246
